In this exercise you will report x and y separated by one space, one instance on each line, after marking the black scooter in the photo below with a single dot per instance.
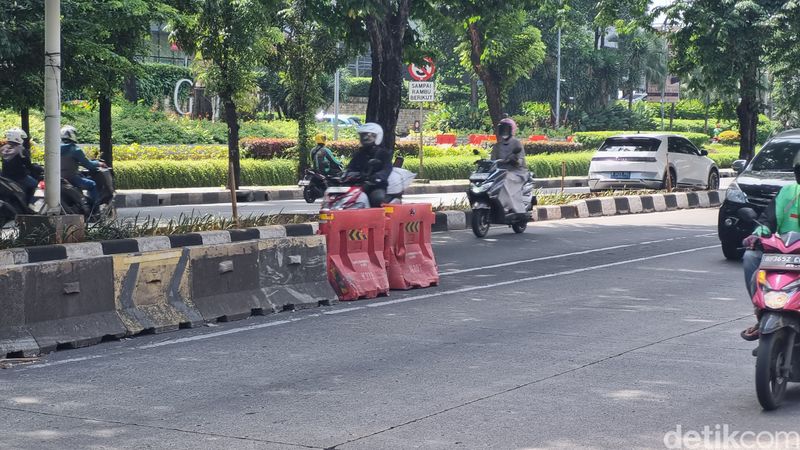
314 185
486 183
74 201
13 201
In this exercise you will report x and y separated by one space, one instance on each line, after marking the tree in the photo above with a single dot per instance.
21 50
731 41
307 54
497 42
231 38
642 59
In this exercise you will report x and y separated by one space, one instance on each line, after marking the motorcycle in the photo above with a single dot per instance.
486 183
350 190
13 201
314 185
777 302
75 201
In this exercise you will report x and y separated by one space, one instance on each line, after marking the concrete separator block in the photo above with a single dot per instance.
15 340
450 220
581 208
271 231
222 281
13 256
609 206
682 199
147 294
293 273
703 198
71 303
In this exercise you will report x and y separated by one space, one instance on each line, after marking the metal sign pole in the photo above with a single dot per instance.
52 105
421 144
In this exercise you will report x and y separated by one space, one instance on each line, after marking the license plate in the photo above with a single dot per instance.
621 175
304 183
787 260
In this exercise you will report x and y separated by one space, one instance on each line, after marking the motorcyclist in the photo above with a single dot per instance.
510 154
782 215
17 165
322 157
73 157
371 137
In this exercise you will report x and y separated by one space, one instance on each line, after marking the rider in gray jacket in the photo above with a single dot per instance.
510 155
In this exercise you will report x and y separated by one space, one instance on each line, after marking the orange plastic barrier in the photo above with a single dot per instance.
356 265
409 256
476 139
570 138
446 139
538 137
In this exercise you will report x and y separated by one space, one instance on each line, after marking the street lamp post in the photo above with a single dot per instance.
336 82
558 79
52 105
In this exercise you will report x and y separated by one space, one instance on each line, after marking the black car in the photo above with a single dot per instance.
755 186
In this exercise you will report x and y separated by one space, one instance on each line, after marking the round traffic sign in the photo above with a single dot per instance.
423 73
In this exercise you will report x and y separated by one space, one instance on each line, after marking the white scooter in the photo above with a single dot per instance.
349 190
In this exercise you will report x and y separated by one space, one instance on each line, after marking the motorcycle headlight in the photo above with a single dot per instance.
483 188
735 194
776 299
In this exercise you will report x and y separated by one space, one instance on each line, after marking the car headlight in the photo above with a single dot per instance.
776 299
735 194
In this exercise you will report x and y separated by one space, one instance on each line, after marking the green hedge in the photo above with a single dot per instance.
593 139
281 172
210 173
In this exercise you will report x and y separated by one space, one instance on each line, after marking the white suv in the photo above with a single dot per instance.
640 161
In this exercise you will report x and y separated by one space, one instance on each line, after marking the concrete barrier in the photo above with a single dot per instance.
223 281
292 273
15 339
147 294
69 303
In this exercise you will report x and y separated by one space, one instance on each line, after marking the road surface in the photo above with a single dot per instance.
593 333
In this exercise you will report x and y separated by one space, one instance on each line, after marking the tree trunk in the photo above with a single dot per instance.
473 92
131 92
232 120
25 123
490 84
386 37
106 149
302 142
671 115
705 115
747 113
630 100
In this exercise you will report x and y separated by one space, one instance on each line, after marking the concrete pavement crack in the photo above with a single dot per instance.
539 380
155 427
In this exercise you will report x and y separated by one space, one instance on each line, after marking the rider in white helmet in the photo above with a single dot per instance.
73 157
17 164
371 136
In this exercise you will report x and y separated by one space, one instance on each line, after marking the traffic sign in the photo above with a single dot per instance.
421 91
423 73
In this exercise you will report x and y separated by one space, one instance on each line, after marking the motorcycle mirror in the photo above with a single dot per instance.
748 215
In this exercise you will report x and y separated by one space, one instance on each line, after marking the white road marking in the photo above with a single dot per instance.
565 255
374 305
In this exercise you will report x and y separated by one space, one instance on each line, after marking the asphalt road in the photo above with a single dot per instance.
300 206
601 333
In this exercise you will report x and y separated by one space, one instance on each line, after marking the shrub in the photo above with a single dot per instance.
267 148
157 81
618 117
359 86
209 173
593 139
729 137
459 117
539 147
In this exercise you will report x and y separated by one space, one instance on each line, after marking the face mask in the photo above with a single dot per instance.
366 138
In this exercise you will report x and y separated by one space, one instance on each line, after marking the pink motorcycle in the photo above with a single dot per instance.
777 301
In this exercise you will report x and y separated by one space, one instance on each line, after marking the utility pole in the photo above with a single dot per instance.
52 105
558 78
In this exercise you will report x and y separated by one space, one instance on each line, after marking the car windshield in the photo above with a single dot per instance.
776 156
630 144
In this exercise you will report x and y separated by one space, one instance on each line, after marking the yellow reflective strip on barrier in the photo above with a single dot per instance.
388 209
326 217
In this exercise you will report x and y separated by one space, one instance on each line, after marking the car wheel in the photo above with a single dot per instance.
732 250
713 180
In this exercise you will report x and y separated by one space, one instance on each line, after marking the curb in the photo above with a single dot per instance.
28 255
142 199
598 207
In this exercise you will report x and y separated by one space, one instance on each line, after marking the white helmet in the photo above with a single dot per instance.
16 135
69 133
374 128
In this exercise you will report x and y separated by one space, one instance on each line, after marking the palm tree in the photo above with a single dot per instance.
643 59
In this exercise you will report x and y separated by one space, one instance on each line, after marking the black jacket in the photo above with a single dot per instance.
360 163
17 166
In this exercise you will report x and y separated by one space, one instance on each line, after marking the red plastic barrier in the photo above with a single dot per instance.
446 139
409 256
356 265
491 137
570 138
476 139
538 137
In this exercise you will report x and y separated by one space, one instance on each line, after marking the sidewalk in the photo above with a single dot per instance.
137 198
